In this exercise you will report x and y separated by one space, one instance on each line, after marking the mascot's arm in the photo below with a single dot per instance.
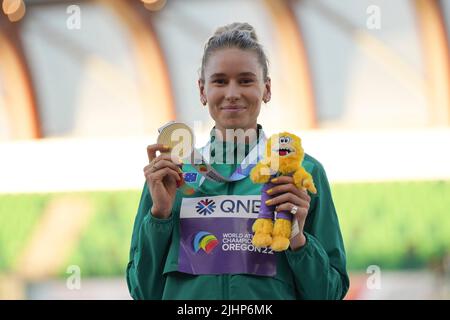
303 179
260 173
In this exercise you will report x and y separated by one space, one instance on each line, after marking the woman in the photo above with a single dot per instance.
170 261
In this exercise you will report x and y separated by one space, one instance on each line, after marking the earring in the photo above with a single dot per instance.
203 101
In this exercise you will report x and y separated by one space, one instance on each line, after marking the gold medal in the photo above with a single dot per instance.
179 137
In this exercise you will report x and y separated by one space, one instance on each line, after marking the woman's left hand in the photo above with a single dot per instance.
285 197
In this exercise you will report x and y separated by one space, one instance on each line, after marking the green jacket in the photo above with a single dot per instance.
315 271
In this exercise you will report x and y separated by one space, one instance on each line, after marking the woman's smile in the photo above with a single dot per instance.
233 109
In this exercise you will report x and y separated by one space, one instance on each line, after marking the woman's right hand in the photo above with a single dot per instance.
162 175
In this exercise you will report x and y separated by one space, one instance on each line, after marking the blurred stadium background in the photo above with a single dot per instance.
84 85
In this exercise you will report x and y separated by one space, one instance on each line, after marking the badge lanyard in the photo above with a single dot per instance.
200 159
241 172
203 166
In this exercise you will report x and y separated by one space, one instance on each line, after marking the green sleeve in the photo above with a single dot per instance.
149 247
319 267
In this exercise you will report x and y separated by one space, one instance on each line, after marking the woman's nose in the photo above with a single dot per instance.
233 91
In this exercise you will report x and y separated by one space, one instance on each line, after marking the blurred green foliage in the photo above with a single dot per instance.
103 249
18 216
393 224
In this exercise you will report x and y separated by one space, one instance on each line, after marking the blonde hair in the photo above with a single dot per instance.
235 35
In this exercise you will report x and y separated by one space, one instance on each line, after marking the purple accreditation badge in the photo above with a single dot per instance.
216 237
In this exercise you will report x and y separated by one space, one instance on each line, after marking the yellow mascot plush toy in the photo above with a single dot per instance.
283 157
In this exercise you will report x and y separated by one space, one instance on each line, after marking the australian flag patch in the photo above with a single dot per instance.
190 176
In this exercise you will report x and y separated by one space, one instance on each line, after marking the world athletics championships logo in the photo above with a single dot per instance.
205 207
206 241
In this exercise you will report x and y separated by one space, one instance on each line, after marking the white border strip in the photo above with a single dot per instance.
61 165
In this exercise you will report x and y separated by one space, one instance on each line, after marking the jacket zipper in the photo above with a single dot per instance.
225 289
226 277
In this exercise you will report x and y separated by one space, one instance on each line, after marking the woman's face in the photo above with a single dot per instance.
234 88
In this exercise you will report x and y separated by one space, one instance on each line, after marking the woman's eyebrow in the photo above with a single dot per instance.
217 75
247 74
242 74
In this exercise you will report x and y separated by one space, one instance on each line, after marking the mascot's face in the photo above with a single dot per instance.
284 151
285 148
